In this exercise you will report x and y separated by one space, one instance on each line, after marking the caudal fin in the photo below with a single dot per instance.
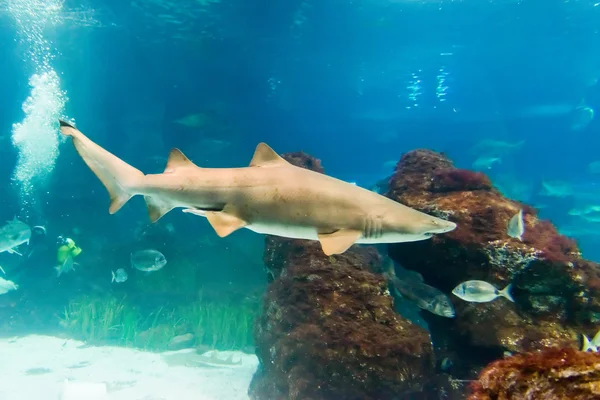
506 292
587 345
120 179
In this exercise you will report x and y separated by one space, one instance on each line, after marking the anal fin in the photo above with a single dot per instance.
339 241
157 207
224 222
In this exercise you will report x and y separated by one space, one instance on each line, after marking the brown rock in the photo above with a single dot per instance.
554 374
557 293
328 329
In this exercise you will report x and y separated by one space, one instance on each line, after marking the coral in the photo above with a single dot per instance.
557 374
328 329
556 292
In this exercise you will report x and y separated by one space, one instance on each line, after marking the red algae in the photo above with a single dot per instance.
452 180
553 374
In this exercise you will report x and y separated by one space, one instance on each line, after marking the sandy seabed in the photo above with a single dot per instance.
36 367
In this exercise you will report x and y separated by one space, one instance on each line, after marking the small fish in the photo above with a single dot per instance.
14 234
480 292
148 260
120 276
483 163
591 344
516 226
424 296
66 266
6 286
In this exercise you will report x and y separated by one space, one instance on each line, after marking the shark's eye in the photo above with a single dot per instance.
428 234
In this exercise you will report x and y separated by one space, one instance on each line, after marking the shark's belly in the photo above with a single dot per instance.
310 233
288 231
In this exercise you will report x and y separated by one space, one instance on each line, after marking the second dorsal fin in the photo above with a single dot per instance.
177 160
265 155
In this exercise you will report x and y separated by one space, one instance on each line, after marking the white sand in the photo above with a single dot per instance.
128 374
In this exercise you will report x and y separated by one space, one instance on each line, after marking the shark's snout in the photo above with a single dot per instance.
441 226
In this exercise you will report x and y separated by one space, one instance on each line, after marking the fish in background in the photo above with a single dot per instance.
481 292
67 265
594 167
558 189
14 234
516 226
492 148
120 276
7 286
582 116
148 260
270 196
424 296
483 163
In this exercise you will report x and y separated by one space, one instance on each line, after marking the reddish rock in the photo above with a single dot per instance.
328 329
557 293
452 180
556 374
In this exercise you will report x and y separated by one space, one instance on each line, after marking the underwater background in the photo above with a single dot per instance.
504 87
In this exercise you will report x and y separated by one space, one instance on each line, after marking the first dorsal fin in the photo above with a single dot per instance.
177 160
265 155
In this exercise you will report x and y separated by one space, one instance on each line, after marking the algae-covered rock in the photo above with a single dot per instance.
553 374
328 329
556 292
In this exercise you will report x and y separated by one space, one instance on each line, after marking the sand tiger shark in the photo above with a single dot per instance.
270 196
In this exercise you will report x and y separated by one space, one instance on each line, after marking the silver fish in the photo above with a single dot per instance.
6 286
66 266
148 260
424 296
516 226
14 234
480 292
120 276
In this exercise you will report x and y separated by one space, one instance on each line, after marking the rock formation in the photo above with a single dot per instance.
556 292
551 374
328 329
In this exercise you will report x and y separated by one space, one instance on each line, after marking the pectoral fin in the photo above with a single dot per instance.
339 241
224 223
13 251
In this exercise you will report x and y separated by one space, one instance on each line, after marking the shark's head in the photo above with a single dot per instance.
417 226
433 225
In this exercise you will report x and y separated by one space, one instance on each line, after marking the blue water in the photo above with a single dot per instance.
353 83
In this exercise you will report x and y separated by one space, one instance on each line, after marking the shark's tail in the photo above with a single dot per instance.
120 179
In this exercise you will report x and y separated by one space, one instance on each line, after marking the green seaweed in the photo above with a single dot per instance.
222 325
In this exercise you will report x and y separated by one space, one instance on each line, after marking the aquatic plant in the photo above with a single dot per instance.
101 318
222 325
